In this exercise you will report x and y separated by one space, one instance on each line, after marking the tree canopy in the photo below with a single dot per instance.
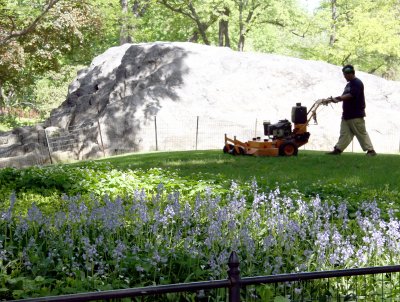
39 38
362 32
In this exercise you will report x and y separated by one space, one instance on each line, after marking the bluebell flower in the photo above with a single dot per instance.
269 242
378 240
89 251
277 265
35 215
26 261
7 216
3 253
119 251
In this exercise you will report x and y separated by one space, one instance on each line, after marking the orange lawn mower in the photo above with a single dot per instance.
280 138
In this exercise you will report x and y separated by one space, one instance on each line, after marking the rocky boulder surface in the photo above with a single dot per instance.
114 105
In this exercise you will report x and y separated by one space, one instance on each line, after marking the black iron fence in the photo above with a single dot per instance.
285 287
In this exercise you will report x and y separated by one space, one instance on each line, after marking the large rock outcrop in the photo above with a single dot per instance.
193 94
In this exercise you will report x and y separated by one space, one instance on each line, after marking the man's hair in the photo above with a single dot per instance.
348 69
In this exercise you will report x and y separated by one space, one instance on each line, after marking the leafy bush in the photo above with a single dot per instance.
159 238
91 226
9 121
51 90
97 179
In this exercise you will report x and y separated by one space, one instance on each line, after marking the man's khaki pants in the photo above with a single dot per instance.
349 129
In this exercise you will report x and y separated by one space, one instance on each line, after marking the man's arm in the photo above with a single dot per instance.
344 97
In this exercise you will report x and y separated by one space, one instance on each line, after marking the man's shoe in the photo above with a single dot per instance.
371 153
335 151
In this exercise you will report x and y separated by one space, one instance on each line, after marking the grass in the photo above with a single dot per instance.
181 231
350 177
309 167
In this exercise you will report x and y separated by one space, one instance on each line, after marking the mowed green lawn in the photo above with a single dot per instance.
309 167
350 177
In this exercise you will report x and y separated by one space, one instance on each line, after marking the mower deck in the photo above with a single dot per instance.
265 147
281 138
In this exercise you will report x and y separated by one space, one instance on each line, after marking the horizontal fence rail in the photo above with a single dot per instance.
234 283
320 275
135 292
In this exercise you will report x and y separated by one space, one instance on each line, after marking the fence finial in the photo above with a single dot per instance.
234 277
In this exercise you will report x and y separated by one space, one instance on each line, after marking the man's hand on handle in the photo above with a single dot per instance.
337 99
328 100
331 100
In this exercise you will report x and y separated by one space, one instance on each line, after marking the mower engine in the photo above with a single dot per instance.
281 129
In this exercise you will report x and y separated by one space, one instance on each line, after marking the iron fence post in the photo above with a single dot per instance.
101 138
234 277
197 130
98 126
48 146
155 131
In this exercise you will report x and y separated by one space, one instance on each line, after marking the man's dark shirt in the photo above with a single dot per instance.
354 108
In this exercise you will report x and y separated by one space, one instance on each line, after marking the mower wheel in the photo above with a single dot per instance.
241 151
228 148
288 149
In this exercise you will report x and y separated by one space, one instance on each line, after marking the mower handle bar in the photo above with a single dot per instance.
314 107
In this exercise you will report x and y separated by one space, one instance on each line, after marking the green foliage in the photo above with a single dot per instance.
364 32
61 31
10 121
72 33
107 35
351 178
353 169
160 24
58 38
98 179
188 192
51 89
93 244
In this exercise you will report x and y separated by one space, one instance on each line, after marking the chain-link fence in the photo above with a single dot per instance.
76 143
93 140
68 144
198 133
190 133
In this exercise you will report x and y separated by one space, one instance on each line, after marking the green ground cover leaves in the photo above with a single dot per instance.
161 218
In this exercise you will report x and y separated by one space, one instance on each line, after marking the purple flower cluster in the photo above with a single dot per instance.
146 237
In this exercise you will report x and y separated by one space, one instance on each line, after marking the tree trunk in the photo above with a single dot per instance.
244 24
2 96
5 99
124 35
332 38
194 38
241 43
202 27
223 35
203 34
189 11
241 27
139 8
